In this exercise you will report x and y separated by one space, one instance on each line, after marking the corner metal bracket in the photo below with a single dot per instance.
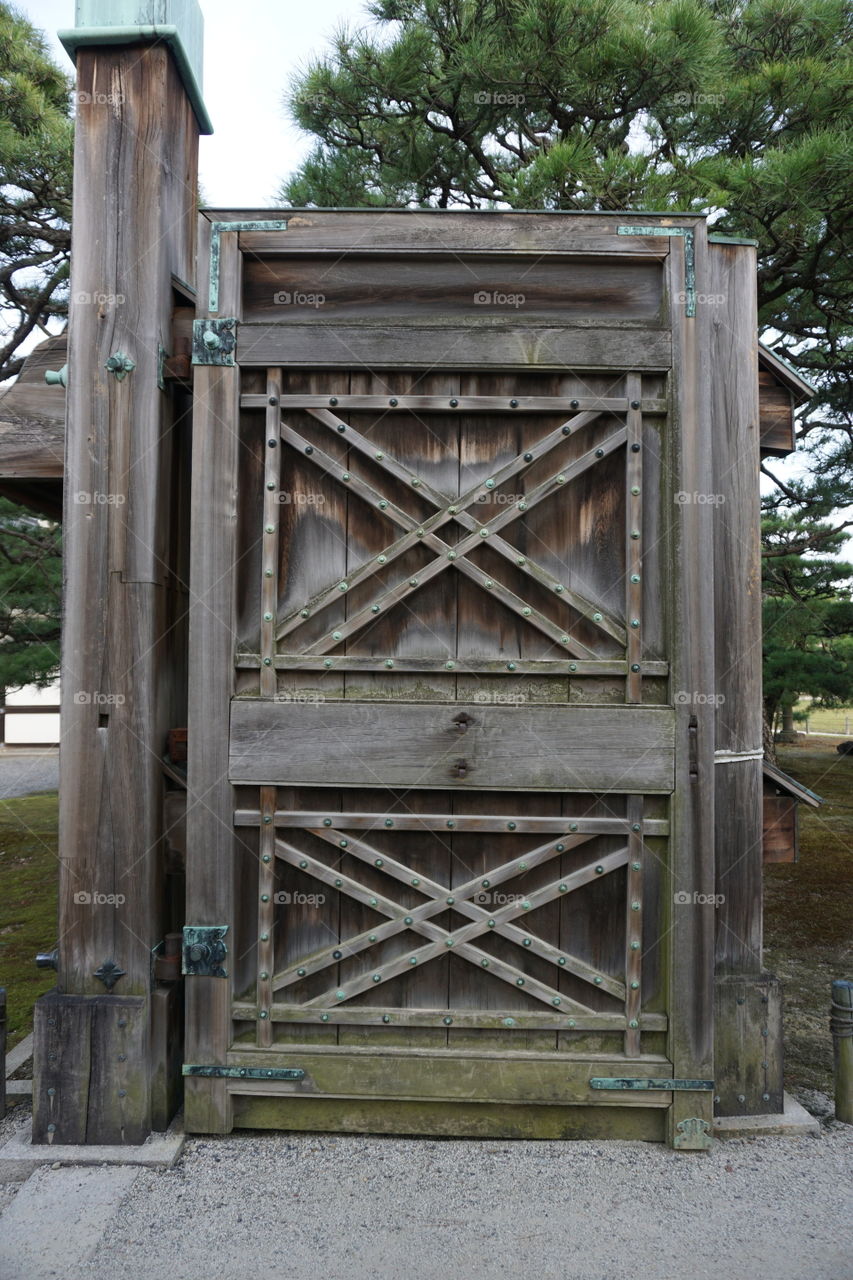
689 257
216 229
693 1135
245 1073
649 1082
204 951
214 341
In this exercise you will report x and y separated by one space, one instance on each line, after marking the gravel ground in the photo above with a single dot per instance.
23 772
353 1208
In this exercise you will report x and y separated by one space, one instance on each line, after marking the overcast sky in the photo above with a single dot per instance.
250 52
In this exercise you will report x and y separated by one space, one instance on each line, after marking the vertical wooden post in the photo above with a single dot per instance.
691 936
134 217
841 1025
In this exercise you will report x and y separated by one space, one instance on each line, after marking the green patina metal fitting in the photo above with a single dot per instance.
204 951
648 1082
244 1073
214 341
689 257
216 230
693 1134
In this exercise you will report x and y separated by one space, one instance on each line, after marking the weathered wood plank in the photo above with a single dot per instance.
409 821
461 403
589 748
493 346
480 1018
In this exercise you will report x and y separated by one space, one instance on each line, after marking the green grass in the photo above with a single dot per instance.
29 875
808 910
825 721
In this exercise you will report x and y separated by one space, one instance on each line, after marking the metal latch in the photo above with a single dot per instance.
214 341
204 951
648 1082
244 1073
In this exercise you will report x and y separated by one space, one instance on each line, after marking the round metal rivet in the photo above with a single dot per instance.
378 863
450 901
453 404
271 484
635 404
309 449
635 622
304 613
386 1017
265 937
272 443
741 1097
513 404
490 484
635 946
450 665
336 635
333 400
270 528
343 586
556 1000
268 574
381 559
573 826
451 555
525 906
559 587
635 489
633 1024
509 1022
575 404
488 583
561 848
450 822
511 826
635 666
343 843
765 1097
267 617
382 505
510 666
389 822
345 476
572 1022
324 1017
635 533
413 582
487 884
561 479
263 975
635 577
393 402
413 960
635 866
527 942
491 924
265 857
415 482
599 870
564 639
374 608
635 986
267 662
597 981
389 662
300 973
567 431
521 560
337 955
371 937
522 866
635 906
484 963
636 826
416 882
340 995
419 533
526 611
564 888
265 897
573 666
484 533
377 977
451 511
339 884
528 457
327 822
522 506
379 455
303 865
635 448
408 920
519 982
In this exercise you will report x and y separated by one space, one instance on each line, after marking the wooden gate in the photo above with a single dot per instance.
443 789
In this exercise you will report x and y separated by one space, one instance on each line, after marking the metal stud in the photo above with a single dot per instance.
378 862
267 617
519 982
300 973
635 448
451 555
345 475
450 665
635 666
599 870
324 1017
510 666
268 574
450 901
575 404
521 560
491 924
511 826
635 986
408 920
386 1017
567 430
635 906
303 865
272 443
263 975
270 528
572 1022
513 404
484 533
564 888
635 533
389 822
636 826
490 484
374 608
564 639
598 981
509 1022
633 1024
488 583
635 489
562 960
413 582
381 559
450 822
267 662
635 946
573 666
265 897
393 402
635 622
336 635
343 586
389 662
340 995
263 1014
558 587
337 955
265 937
377 977
522 866
484 963
573 826
447 1021
265 857
413 959
522 506
454 403
561 848
527 942
635 866
309 449
599 453
556 1000
271 484
304 613
527 611
487 884
419 533
596 617
343 843
339 884
379 455
333 400
416 482
635 404
561 479
327 822
635 577
415 881
451 511
371 937
525 906
448 942
382 504
528 457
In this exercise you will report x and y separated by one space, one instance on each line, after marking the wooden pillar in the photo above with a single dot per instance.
134 225
748 1049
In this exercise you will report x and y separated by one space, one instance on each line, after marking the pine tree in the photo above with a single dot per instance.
30 597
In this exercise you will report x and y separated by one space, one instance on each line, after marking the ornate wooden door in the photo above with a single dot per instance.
452 754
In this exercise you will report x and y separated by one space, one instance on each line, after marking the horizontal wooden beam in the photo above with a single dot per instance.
449 824
594 748
460 404
473 666
246 1011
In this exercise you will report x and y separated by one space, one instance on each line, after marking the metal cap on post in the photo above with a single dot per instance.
841 1026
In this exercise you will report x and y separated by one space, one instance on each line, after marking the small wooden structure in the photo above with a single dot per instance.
781 829
456 587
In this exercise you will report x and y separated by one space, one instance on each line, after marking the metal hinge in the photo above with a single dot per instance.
244 1073
214 341
689 257
204 951
648 1082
